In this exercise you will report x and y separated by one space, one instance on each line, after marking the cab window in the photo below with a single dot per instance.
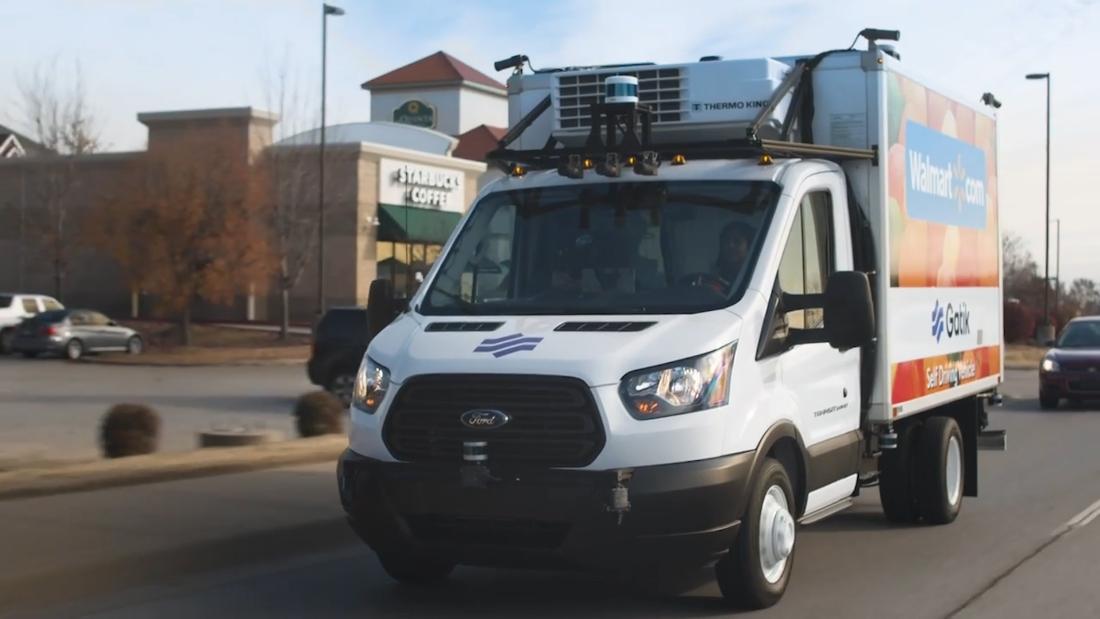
807 261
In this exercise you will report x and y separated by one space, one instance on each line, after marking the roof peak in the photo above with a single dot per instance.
436 68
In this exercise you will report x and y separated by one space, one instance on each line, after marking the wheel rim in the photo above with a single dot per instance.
954 471
74 350
776 534
341 387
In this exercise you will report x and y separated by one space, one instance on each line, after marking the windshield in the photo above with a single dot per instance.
613 248
1081 335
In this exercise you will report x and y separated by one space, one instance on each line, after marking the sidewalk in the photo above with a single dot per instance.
61 548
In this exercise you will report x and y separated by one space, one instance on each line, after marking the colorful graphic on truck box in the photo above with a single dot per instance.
944 260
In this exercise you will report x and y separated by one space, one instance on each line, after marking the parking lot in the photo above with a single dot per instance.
50 408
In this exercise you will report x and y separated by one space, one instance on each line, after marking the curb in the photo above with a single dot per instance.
111 473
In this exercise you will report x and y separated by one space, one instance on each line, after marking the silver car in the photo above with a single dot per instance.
73 333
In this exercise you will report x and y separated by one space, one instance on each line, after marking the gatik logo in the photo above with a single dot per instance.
950 321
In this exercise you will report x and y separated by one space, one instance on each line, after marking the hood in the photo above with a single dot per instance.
532 345
1075 355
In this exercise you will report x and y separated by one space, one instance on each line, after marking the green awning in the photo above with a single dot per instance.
414 224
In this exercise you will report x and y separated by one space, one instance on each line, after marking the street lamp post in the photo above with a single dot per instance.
326 10
1057 268
1046 239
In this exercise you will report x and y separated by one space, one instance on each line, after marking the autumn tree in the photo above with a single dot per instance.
56 111
289 174
187 226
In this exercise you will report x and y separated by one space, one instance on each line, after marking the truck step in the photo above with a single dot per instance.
826 511
992 440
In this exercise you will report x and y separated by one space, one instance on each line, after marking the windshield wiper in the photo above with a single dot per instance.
466 307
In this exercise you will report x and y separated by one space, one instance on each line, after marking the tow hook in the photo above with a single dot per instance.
619 502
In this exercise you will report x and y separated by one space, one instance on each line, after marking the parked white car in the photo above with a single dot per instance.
15 308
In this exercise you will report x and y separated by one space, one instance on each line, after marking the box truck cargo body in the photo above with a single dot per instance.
703 304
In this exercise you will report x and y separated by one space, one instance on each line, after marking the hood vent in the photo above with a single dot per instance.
610 327
463 326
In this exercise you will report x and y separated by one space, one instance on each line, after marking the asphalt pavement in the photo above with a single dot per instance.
271 544
51 408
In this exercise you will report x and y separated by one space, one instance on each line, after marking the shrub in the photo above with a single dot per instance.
129 430
1019 322
319 412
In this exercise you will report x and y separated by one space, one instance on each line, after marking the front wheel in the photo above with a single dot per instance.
412 570
1048 400
6 337
134 345
755 573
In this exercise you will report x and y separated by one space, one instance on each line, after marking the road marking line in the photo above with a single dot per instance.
1086 516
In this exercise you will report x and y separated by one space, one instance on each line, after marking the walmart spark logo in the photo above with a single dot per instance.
938 321
501 346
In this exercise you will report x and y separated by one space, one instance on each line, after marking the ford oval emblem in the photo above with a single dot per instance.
484 419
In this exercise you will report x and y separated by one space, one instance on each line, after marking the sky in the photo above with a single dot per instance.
155 55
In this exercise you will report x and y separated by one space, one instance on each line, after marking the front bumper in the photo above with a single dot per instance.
685 513
1071 384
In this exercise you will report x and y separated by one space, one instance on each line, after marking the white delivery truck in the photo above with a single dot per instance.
705 304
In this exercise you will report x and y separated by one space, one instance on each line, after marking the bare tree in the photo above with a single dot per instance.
290 174
56 110
186 226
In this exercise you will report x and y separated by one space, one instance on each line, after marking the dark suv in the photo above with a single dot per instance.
339 342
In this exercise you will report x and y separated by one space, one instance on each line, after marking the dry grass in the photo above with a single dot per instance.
55 478
1023 356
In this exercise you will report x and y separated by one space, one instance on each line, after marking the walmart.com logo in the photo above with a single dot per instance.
937 321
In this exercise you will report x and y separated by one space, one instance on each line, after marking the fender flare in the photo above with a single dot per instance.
778 431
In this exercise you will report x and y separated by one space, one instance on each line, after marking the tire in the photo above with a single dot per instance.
74 349
1048 401
341 385
135 346
411 570
755 573
6 336
896 490
941 470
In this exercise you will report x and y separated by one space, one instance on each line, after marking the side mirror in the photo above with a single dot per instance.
382 308
849 310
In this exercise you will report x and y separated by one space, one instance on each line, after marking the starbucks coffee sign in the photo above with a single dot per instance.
416 113
414 184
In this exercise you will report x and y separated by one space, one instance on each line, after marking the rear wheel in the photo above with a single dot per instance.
940 476
6 336
74 349
341 384
412 570
1048 400
896 489
756 571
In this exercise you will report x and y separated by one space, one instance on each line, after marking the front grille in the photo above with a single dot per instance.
488 531
554 420
661 89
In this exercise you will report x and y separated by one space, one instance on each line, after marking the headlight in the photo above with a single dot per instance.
679 387
1050 365
370 386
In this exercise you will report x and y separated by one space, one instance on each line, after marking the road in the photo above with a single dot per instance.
1026 547
51 408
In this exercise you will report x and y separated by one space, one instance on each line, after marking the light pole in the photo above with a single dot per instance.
1057 268
1046 238
326 10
